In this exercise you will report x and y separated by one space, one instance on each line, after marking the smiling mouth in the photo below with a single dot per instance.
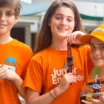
98 59
62 29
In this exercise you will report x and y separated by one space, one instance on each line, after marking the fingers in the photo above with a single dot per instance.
2 73
70 78
64 71
70 38
93 101
96 101
86 102
74 38
102 99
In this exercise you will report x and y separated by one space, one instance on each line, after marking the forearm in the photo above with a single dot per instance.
45 98
18 82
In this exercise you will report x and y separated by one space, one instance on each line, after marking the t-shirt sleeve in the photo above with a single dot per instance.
33 79
27 55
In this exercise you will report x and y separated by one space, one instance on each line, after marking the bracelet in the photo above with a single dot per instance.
52 95
55 92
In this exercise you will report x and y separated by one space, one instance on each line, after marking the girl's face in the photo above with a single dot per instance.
97 52
62 23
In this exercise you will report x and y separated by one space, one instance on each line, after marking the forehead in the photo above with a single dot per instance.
64 11
6 9
96 41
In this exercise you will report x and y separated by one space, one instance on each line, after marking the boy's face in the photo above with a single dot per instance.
97 52
7 20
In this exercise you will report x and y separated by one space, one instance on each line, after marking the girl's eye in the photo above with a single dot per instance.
102 47
92 47
69 20
58 17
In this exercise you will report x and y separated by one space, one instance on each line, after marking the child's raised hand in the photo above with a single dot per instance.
75 37
7 74
66 80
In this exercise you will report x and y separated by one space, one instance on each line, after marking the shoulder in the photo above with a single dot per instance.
21 48
41 54
85 49
20 45
82 49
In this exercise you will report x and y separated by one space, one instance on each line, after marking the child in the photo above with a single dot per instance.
14 56
96 42
46 81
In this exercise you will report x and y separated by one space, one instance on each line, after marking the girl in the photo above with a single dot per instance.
46 81
96 42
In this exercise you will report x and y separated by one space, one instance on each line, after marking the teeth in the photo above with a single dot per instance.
98 59
63 29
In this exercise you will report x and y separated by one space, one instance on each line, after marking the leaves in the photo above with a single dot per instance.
94 72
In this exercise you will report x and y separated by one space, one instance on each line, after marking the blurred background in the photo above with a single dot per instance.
91 11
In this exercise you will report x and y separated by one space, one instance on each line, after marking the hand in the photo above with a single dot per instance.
66 80
7 74
75 37
102 98
94 101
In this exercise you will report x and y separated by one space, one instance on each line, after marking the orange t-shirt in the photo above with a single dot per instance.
14 56
46 69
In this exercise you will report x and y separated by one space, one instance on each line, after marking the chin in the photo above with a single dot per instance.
100 64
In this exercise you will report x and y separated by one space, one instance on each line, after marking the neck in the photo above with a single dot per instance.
5 39
59 44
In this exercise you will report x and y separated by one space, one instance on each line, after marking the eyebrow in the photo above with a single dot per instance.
58 14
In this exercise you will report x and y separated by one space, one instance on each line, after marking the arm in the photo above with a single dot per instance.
34 97
12 76
19 82
75 37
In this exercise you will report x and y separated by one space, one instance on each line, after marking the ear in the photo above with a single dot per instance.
16 19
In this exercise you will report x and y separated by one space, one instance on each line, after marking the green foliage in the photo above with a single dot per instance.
94 72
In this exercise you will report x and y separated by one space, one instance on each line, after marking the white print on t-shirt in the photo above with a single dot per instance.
57 74
7 67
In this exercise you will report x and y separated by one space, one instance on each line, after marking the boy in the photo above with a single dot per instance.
14 56
96 42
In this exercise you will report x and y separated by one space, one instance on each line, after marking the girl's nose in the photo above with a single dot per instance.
97 51
64 21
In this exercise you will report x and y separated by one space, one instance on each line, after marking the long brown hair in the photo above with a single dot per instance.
44 35
15 4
